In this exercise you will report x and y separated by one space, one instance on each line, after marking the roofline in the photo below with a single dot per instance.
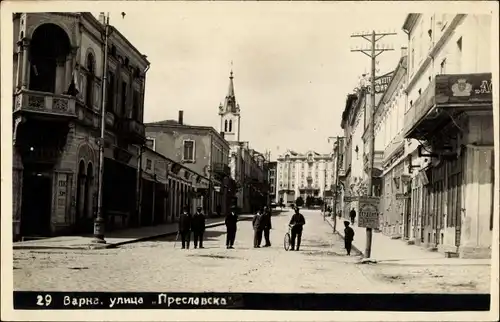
409 22
92 19
395 72
196 127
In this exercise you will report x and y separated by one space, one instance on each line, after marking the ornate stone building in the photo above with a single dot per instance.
308 174
57 95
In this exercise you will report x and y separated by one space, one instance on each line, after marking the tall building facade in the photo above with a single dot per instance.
449 117
307 174
389 116
58 79
201 149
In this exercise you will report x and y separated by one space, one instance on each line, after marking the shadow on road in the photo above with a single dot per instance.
209 235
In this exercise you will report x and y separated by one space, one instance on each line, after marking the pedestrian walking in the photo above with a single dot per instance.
257 229
185 227
267 226
352 214
198 227
231 225
297 223
348 237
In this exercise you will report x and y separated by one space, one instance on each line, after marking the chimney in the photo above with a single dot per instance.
181 117
404 51
102 18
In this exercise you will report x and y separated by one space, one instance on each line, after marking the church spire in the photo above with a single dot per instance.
230 105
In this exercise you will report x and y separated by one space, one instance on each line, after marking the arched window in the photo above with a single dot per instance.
230 125
89 88
225 126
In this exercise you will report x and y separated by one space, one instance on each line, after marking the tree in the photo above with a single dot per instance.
299 202
309 201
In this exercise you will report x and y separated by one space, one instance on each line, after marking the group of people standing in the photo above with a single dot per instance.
196 224
191 223
261 223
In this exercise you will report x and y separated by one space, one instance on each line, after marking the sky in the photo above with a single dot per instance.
292 62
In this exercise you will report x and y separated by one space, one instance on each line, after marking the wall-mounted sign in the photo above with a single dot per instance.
464 88
381 83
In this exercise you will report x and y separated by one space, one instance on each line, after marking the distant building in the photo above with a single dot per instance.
58 76
272 175
308 174
201 149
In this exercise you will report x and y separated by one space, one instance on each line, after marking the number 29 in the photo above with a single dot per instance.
43 300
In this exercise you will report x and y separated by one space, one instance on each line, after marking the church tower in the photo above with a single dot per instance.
230 114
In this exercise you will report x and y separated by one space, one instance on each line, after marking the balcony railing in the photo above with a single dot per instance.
45 103
452 92
133 129
420 108
222 169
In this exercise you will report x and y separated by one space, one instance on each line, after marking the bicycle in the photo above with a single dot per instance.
288 239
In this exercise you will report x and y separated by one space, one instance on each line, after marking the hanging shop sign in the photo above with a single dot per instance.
464 88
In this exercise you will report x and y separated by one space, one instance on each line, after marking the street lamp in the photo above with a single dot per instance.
99 220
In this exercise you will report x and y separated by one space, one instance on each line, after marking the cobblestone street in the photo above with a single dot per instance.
320 266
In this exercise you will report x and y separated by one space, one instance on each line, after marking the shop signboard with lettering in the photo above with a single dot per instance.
368 212
464 89
61 196
381 83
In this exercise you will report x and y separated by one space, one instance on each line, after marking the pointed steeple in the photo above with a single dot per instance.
230 104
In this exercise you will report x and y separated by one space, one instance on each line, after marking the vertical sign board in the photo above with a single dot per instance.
368 212
61 196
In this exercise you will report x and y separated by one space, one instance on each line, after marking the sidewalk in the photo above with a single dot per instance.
395 250
114 238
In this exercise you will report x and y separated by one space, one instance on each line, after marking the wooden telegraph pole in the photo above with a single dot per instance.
371 52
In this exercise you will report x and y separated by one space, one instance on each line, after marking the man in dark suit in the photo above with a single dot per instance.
266 224
297 223
231 225
257 229
198 227
185 227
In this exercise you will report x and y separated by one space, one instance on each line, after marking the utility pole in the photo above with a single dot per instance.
99 220
374 52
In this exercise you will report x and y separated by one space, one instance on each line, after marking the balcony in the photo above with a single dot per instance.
133 130
222 169
42 104
445 96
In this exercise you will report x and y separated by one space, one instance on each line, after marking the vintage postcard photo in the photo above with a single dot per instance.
216 160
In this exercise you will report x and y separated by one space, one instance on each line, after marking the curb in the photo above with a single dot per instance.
341 235
114 245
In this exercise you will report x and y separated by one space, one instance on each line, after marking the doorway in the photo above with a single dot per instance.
36 204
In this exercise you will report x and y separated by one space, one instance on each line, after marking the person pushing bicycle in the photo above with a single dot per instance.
296 224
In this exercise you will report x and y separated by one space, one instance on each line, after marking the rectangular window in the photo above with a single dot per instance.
150 143
135 108
149 164
188 154
123 106
442 69
111 93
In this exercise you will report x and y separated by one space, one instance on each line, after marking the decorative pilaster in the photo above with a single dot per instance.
19 71
25 65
